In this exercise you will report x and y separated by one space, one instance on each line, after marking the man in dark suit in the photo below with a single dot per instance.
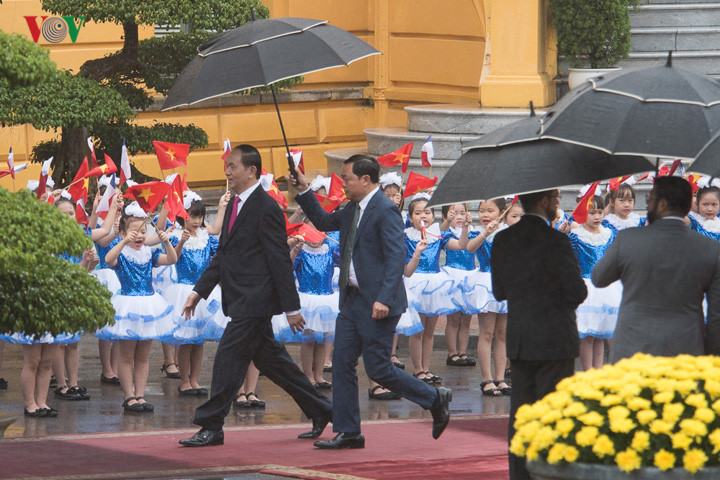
535 270
666 270
253 266
372 298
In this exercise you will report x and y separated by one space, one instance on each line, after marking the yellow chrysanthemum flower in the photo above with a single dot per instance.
712 387
618 412
532 453
556 453
640 441
660 427
593 419
646 416
517 446
544 437
575 409
697 400
571 454
586 436
704 415
716 406
672 412
694 460
680 441
628 460
664 460
684 387
565 426
610 400
665 396
714 438
638 403
551 417
621 425
588 393
523 415
603 446
693 428
558 399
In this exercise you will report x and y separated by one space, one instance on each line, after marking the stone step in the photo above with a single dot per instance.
337 157
705 14
385 140
460 118
663 39
704 62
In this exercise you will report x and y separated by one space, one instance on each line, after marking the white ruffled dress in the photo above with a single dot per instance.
479 297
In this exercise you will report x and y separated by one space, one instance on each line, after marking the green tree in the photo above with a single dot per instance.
41 292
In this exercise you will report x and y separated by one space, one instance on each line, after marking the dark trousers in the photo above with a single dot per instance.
530 382
356 333
246 339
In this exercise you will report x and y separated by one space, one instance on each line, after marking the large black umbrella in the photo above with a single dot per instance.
708 160
487 172
260 53
624 125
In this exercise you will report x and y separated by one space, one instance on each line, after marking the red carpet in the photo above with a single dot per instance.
472 447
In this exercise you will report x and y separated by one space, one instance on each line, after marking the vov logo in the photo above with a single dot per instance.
54 29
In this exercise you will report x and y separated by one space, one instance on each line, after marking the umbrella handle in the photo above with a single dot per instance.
291 164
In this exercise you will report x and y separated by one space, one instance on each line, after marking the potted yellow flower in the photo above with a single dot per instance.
643 418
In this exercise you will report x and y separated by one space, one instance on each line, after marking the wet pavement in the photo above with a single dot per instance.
104 413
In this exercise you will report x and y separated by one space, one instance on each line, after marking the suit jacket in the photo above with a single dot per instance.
535 270
378 252
665 269
252 263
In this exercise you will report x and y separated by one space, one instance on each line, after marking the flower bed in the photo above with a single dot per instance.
643 411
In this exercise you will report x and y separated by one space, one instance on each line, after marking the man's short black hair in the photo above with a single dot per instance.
676 191
250 157
530 200
365 165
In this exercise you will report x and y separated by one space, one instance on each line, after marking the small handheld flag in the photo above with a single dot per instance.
106 169
44 174
399 156
336 188
580 214
104 204
171 155
427 153
79 187
93 158
174 202
148 195
297 158
328 204
417 183
267 180
125 171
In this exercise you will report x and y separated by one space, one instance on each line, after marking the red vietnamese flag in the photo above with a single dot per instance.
148 195
183 185
268 183
79 187
677 163
93 158
399 156
328 204
309 233
580 213
515 200
693 180
174 202
171 155
337 192
417 183
106 169
615 183
80 213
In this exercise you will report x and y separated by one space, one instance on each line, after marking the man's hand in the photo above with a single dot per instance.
188 309
297 322
380 311
298 181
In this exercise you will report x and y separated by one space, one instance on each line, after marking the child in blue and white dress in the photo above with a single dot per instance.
492 315
194 247
459 265
621 203
141 315
705 221
597 315
427 286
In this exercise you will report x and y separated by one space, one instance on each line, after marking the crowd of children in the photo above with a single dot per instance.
447 274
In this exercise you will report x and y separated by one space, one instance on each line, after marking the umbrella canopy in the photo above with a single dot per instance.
517 132
485 173
708 160
661 84
262 52
624 125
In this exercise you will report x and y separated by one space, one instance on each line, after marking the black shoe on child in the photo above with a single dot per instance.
64 393
81 392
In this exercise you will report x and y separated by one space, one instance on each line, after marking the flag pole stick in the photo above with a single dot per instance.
13 180
502 215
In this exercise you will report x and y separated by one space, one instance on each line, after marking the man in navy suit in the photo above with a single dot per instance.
253 266
372 298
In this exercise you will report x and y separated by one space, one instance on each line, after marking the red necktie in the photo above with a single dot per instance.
234 213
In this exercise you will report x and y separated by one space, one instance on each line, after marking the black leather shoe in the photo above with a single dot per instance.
342 440
319 425
204 438
441 411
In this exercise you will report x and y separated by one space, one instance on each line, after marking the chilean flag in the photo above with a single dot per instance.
226 151
104 205
125 171
44 174
427 152
297 158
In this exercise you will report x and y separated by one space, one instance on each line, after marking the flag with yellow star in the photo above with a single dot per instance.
148 195
171 155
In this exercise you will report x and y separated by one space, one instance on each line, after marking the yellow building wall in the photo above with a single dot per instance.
433 52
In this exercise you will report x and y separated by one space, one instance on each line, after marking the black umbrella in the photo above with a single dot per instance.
708 160
516 132
621 124
260 53
484 173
